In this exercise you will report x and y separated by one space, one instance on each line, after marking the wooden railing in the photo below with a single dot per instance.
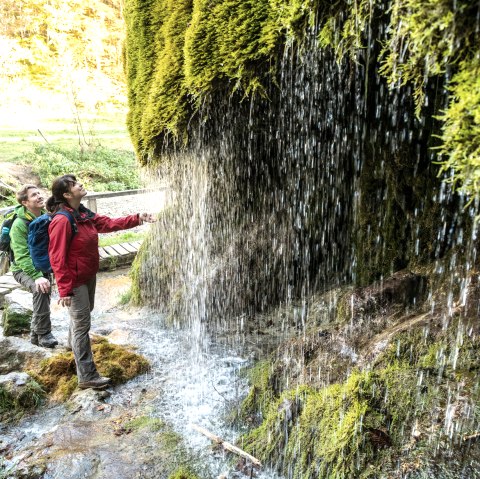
92 198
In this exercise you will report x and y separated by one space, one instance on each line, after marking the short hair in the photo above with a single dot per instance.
22 194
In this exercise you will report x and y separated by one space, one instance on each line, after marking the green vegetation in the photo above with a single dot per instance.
15 401
58 374
199 47
183 473
16 320
387 415
99 169
126 237
144 422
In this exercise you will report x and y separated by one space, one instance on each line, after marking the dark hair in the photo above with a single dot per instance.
22 194
60 186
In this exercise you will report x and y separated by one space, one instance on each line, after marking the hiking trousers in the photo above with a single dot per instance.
80 321
41 323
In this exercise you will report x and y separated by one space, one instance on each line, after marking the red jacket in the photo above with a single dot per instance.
75 261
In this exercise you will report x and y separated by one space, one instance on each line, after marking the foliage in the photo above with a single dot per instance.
16 402
426 38
461 129
126 237
99 169
183 473
202 46
50 37
363 427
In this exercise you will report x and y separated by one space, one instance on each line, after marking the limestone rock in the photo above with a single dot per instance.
16 352
17 315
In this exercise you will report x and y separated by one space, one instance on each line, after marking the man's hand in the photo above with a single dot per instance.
43 285
146 218
67 301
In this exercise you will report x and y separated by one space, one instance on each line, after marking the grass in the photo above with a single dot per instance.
126 237
108 131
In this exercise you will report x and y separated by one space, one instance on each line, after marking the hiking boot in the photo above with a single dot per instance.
34 338
47 340
98 383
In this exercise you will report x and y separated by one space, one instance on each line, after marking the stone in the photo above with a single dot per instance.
16 353
17 314
21 297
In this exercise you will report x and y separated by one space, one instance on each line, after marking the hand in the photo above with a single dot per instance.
42 285
146 218
67 301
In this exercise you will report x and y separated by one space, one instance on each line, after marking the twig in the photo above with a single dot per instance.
38 129
227 445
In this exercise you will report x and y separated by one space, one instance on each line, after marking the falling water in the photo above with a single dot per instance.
326 181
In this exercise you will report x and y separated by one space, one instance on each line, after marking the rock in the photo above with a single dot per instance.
88 402
14 379
17 315
21 297
19 391
16 352
403 288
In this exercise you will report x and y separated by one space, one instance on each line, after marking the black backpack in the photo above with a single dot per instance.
5 249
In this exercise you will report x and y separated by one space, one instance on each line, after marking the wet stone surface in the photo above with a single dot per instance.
139 429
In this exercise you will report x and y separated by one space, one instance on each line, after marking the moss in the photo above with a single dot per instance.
15 320
183 473
380 417
426 38
144 422
116 362
461 129
58 373
261 392
14 402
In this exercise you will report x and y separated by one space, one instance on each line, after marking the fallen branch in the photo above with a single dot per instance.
226 445
472 437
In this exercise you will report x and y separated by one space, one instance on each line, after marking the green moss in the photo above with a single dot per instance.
116 362
58 373
365 424
461 129
425 39
15 321
15 401
144 422
183 473
261 392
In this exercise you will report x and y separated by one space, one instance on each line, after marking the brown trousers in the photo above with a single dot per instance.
80 321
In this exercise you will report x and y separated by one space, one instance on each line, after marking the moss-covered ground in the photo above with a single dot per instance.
57 374
409 408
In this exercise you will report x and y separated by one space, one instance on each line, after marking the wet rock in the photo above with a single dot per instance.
16 353
403 288
18 391
17 313
88 403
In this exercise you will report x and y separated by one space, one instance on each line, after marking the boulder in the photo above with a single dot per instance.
19 391
16 353
17 314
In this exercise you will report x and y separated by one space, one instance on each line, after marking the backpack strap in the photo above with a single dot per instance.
70 218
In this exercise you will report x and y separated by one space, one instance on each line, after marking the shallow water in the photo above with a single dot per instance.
192 381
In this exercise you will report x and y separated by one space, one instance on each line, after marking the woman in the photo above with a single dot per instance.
74 258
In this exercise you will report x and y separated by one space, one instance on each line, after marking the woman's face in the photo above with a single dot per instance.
77 191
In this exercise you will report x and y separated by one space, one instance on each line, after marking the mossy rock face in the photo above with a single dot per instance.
16 319
58 373
18 393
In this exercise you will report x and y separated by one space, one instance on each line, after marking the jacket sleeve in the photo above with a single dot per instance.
104 224
19 245
60 236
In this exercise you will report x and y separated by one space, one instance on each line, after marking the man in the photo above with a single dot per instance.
31 206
